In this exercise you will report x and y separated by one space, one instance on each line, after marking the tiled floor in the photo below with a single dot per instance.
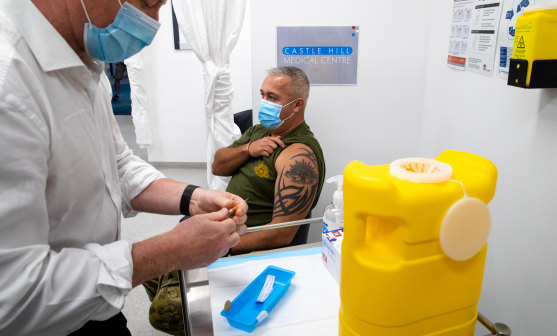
136 308
128 132
144 225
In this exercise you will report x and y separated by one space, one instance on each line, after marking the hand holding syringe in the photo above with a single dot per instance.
232 212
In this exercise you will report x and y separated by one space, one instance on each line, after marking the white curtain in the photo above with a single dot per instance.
140 104
212 28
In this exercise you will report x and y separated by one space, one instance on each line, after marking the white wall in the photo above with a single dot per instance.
175 83
407 103
517 130
377 120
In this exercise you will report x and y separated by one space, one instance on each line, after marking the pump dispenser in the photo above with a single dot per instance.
333 218
333 230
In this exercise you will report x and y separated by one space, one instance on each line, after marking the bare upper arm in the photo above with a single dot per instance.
297 183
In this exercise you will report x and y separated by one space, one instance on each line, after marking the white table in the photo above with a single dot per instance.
310 307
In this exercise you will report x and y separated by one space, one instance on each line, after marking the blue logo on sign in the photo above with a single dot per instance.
317 50
503 57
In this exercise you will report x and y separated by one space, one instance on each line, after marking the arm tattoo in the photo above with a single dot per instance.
290 198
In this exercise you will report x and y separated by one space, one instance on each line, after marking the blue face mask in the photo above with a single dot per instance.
269 114
130 32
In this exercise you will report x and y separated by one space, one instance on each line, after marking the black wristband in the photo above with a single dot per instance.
186 198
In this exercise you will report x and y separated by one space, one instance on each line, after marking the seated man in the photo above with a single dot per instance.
277 166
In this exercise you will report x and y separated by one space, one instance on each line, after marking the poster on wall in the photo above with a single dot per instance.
460 34
483 37
512 9
327 54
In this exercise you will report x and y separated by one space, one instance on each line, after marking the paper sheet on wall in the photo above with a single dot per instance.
483 36
309 307
512 9
460 33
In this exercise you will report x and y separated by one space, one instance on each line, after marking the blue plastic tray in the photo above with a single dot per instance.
245 312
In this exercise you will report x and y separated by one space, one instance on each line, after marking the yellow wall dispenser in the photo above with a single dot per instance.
415 244
534 60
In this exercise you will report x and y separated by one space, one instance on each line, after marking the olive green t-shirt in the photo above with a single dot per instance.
255 179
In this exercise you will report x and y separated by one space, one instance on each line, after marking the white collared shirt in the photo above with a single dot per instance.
66 174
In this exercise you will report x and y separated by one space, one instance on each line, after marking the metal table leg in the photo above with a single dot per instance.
196 302
497 329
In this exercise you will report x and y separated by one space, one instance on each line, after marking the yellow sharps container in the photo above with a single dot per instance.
415 244
534 59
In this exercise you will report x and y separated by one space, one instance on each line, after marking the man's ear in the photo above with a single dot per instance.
299 104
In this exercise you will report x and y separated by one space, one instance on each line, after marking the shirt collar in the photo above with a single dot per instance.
47 45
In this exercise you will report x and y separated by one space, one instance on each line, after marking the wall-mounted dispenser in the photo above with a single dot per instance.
534 60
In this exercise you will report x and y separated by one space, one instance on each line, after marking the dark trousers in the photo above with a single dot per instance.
116 325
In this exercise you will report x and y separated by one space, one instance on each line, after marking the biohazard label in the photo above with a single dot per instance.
521 43
522 35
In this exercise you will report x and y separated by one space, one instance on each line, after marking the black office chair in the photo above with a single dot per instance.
244 120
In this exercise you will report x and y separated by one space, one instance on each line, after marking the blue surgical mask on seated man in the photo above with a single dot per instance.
131 31
269 114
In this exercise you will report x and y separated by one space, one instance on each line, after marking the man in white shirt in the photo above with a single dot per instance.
66 174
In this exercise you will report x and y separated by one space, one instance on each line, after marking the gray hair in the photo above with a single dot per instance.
299 81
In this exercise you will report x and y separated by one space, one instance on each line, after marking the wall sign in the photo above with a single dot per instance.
327 54
483 36
460 33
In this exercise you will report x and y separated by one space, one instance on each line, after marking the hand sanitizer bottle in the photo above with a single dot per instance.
333 218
